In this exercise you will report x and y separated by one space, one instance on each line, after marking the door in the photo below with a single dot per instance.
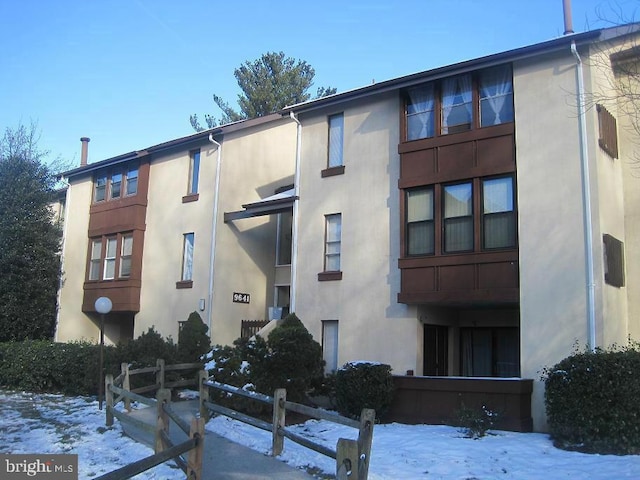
435 350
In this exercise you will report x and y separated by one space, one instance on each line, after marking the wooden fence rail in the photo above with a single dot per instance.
352 456
118 390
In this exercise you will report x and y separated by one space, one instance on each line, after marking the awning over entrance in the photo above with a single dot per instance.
280 202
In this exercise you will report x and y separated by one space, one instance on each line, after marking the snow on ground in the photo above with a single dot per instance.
32 423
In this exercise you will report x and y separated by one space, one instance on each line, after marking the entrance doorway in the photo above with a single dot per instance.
435 350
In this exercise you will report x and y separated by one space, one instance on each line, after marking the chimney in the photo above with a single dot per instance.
85 151
568 24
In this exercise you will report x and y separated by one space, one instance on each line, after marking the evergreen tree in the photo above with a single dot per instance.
269 84
29 239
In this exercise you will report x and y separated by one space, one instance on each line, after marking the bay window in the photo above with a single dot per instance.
474 215
460 103
111 184
110 257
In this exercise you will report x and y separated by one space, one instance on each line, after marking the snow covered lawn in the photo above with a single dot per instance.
32 423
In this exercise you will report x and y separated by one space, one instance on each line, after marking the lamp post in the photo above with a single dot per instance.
103 306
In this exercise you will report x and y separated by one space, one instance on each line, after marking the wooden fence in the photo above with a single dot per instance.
248 328
118 389
352 456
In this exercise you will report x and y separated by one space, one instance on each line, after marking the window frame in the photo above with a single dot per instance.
107 176
194 172
477 217
186 273
432 92
427 221
97 267
329 244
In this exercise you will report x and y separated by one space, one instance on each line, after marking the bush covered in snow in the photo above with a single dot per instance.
290 358
364 385
592 401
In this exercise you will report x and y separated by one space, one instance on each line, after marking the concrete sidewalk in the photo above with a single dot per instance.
223 459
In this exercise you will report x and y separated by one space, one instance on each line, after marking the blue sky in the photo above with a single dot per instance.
128 73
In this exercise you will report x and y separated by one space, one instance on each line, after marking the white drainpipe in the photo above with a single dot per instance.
294 233
214 228
586 197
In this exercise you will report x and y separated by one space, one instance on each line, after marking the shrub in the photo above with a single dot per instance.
364 385
592 401
145 350
476 422
293 361
193 341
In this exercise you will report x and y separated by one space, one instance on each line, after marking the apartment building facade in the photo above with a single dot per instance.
143 230
473 222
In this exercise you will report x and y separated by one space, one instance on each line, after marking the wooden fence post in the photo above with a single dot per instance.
279 412
346 459
365 438
194 460
108 381
160 373
126 384
163 396
204 395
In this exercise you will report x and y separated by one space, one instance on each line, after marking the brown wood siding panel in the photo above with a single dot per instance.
434 400
454 159
498 275
418 280
496 155
418 164
124 295
456 277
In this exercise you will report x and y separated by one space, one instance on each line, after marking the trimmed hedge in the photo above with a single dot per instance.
72 368
592 401
364 385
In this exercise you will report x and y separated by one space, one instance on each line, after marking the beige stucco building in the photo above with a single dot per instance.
473 222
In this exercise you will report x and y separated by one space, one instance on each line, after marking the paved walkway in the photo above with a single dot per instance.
223 459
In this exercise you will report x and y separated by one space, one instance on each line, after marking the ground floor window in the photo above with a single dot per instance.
490 352
330 345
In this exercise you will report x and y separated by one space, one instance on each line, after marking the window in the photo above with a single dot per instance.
498 216
117 182
496 96
283 253
336 139
330 345
608 131
110 259
474 215
490 352
454 103
110 254
100 193
132 181
613 261
187 257
458 218
420 227
283 298
126 251
96 259
332 243
194 172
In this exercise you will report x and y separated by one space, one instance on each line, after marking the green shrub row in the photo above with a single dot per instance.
291 359
72 368
592 401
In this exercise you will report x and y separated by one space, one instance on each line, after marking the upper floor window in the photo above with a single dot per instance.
283 252
110 256
460 103
333 234
115 183
187 256
336 140
194 172
455 227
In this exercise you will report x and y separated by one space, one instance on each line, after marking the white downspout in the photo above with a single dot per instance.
294 233
214 229
65 221
586 197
